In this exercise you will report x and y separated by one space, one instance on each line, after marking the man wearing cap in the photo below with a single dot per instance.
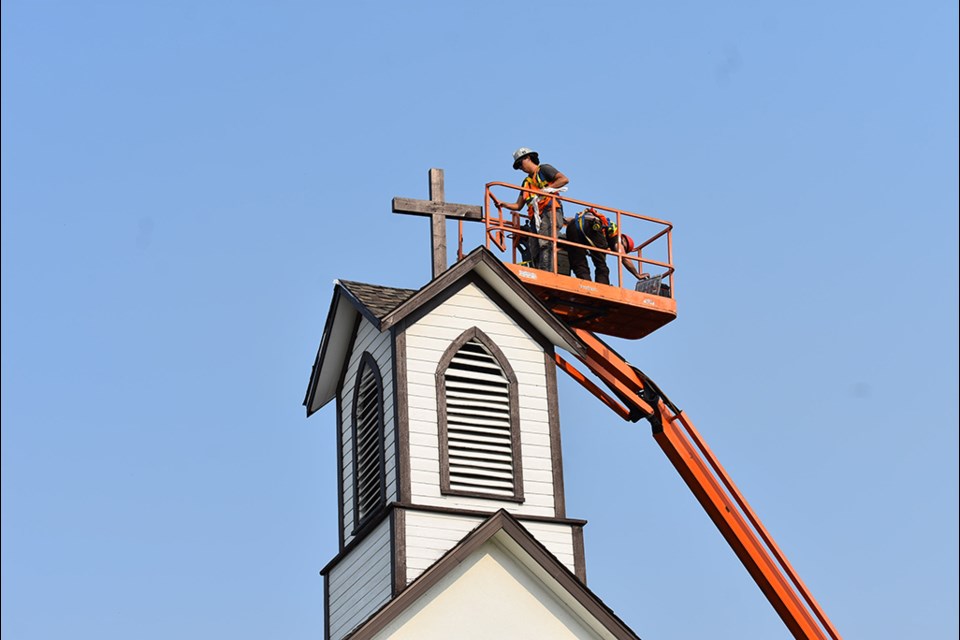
545 211
594 230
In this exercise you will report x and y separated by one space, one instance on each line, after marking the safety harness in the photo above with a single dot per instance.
536 203
600 222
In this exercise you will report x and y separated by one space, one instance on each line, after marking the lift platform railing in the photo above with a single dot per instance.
505 229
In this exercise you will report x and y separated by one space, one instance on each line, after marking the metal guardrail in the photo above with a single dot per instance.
501 230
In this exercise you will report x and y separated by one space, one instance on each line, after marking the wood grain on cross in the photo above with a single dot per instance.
439 211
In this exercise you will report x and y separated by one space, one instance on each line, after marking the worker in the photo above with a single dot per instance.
592 228
546 212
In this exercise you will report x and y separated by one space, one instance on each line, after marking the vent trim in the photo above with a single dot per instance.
479 420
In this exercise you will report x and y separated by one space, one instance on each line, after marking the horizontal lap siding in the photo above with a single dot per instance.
558 538
361 583
430 535
426 341
380 347
441 336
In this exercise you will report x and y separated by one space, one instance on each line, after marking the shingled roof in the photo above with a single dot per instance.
379 300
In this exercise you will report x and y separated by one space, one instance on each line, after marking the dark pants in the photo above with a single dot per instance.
544 259
590 235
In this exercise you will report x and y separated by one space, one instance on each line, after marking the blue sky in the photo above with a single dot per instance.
183 181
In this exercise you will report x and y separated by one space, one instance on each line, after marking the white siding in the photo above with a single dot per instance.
430 535
557 538
426 341
380 347
361 583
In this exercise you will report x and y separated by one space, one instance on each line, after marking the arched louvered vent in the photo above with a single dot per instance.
368 463
481 443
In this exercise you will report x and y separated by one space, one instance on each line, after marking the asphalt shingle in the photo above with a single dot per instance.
378 299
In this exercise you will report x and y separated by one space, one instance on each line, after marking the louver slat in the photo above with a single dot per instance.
490 420
475 387
481 437
478 433
497 411
466 400
474 366
483 465
478 393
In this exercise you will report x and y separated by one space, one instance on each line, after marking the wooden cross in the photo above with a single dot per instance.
439 211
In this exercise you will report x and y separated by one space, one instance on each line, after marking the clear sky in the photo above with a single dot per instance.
183 181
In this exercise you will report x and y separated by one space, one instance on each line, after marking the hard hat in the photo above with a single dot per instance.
521 153
627 243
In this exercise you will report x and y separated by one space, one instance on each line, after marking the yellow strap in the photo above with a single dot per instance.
580 218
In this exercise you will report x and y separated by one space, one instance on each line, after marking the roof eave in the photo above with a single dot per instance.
332 353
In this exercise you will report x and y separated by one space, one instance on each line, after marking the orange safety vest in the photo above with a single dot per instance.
543 202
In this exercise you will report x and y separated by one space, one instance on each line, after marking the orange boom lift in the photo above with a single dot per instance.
590 308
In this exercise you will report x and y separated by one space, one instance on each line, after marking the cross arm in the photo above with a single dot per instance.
432 208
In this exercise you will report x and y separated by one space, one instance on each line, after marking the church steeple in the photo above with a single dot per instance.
447 413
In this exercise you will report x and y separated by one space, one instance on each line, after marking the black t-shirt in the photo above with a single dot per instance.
548 172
